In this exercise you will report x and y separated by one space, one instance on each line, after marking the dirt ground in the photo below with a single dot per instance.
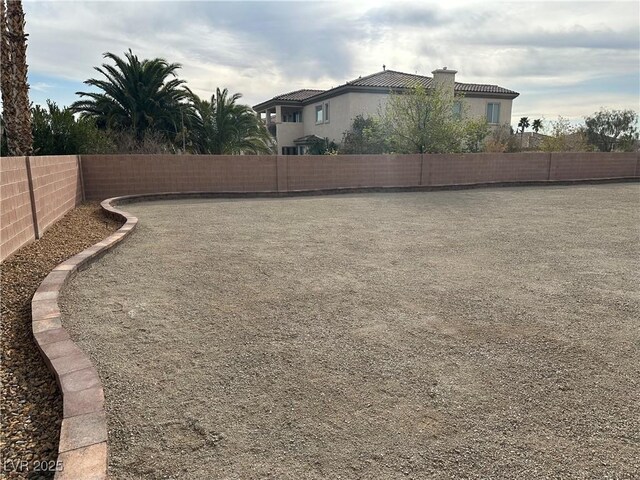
459 334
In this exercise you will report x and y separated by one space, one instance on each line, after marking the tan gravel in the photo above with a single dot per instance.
30 403
465 334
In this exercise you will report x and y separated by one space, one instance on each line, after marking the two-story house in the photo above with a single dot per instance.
297 118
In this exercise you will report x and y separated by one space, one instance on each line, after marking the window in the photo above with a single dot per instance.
493 112
322 113
457 110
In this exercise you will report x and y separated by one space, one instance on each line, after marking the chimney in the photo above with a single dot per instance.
445 79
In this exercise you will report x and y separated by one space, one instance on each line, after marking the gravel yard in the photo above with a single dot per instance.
30 402
488 333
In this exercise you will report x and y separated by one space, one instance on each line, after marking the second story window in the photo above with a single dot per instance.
493 113
322 113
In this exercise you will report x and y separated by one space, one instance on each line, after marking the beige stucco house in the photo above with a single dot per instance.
295 118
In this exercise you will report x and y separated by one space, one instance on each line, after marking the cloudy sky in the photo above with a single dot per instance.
565 58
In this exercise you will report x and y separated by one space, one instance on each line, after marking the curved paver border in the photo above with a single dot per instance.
82 451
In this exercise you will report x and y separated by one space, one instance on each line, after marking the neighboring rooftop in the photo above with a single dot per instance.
393 79
483 88
301 94
388 79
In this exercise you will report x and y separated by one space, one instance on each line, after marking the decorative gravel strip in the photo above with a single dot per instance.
82 451
30 402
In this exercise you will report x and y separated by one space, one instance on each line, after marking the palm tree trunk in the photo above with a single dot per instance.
6 78
15 89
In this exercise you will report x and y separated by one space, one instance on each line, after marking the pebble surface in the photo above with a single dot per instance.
30 401
487 334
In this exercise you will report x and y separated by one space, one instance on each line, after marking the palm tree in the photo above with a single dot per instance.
523 124
13 83
137 96
537 125
223 127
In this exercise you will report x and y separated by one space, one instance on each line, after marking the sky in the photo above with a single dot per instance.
565 59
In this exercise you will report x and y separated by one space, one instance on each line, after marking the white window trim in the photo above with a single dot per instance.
319 108
324 107
499 111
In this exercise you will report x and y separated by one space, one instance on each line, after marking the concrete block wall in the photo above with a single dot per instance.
57 188
318 172
107 176
16 217
58 183
581 166
112 175
473 168
35 193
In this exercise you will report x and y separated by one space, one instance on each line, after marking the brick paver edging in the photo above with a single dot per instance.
82 452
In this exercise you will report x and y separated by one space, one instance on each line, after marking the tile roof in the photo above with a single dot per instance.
483 88
302 94
393 79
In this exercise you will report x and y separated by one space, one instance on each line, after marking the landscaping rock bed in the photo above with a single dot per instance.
30 405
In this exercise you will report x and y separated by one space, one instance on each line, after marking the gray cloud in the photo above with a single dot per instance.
398 15
266 48
299 37
574 37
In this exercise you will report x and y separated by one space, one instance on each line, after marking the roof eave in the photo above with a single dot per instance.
506 96
273 102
